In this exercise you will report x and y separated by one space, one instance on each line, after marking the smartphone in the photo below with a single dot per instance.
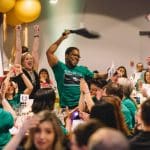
75 115
137 100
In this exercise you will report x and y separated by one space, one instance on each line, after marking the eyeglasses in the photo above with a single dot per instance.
76 55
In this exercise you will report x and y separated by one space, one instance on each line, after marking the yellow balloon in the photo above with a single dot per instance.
6 5
27 10
12 19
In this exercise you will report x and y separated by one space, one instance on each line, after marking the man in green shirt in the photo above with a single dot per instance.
68 75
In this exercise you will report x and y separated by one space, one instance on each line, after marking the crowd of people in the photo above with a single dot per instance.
97 111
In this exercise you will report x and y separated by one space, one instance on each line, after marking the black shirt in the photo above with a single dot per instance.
141 141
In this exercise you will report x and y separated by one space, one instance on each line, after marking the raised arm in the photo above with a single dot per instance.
82 103
52 59
86 94
29 86
30 122
35 46
102 75
6 106
18 45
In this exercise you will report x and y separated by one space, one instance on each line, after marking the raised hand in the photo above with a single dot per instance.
3 91
36 30
65 34
29 122
17 69
84 116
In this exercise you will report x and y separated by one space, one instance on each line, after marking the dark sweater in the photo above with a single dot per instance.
22 86
141 141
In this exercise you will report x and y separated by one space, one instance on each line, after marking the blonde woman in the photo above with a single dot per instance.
44 133
28 60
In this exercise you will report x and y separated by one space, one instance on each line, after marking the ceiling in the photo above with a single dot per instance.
127 9
120 9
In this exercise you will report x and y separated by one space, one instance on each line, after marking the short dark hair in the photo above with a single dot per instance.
70 49
45 70
99 82
104 112
114 89
44 99
84 131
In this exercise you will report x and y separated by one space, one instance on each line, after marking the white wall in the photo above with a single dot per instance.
117 21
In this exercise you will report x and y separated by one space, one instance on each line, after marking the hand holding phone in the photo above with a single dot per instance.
75 115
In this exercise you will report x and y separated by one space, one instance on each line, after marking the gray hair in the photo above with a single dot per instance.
108 139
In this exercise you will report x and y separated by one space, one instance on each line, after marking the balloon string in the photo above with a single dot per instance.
4 27
13 50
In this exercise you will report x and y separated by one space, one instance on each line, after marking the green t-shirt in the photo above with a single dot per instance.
127 116
15 102
68 82
131 107
6 122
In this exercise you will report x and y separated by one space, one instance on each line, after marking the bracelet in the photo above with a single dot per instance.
36 36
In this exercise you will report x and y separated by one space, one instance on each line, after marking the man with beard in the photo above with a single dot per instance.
68 75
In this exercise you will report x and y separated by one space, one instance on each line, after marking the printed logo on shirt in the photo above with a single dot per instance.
72 78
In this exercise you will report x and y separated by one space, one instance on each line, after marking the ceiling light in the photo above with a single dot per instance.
53 1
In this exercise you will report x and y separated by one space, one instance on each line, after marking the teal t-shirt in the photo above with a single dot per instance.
131 107
15 102
127 116
6 122
68 82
